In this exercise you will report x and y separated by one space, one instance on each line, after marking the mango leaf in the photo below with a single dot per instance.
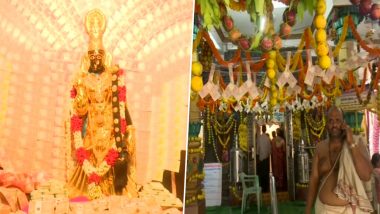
311 5
300 11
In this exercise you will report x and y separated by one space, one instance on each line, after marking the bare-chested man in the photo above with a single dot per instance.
323 182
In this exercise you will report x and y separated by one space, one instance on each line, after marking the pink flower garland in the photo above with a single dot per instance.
375 140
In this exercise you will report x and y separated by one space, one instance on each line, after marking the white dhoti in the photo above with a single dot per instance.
349 187
321 208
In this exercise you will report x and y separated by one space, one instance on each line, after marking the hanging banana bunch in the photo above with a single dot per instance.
210 12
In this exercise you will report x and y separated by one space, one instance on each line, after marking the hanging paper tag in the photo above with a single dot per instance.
331 71
244 88
329 75
309 79
281 81
209 86
231 87
215 94
254 92
310 70
292 81
318 72
317 80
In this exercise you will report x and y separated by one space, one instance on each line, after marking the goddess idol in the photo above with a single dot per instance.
100 129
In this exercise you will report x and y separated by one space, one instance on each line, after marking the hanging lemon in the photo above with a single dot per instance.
274 94
271 73
273 101
272 55
321 7
196 68
273 88
322 49
196 83
320 35
320 22
270 63
324 62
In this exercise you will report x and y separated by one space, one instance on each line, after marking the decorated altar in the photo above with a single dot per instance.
250 69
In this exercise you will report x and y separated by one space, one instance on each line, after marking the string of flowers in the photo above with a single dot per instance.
95 173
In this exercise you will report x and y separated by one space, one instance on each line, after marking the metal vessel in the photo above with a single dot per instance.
237 163
303 164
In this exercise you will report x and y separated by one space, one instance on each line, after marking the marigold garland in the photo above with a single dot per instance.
307 41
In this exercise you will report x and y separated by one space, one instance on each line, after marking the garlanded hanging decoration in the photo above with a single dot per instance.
324 60
271 74
196 80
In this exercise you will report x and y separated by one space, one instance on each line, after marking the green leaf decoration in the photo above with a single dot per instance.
300 11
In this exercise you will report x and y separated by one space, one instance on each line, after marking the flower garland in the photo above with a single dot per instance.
93 173
235 193
315 126
210 133
198 197
196 176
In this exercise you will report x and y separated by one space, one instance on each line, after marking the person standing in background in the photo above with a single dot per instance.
263 151
278 159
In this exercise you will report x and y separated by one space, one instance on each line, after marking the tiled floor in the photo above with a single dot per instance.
290 207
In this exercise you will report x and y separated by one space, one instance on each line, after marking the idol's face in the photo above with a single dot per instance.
96 61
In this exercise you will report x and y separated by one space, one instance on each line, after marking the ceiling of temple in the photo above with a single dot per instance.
243 23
